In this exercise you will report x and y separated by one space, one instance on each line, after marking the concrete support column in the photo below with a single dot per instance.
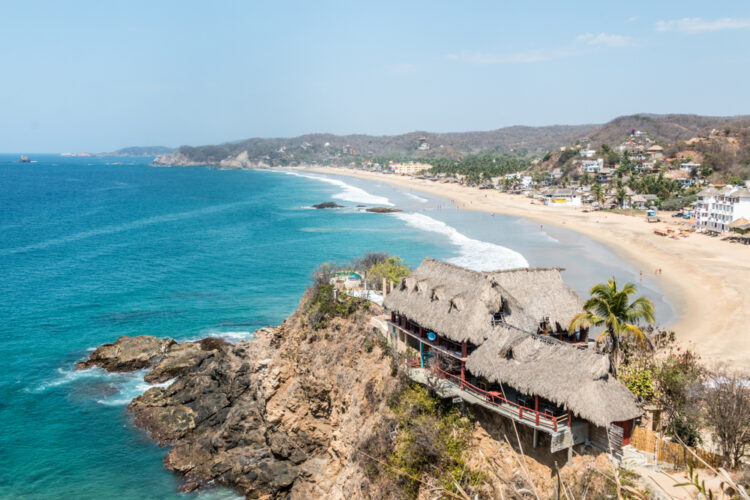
385 291
535 437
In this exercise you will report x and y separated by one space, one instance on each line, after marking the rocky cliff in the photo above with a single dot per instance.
301 412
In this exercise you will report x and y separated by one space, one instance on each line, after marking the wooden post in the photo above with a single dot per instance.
463 364
570 418
536 409
385 290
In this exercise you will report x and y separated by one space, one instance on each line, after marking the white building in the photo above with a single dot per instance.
716 209
689 166
409 168
592 166
524 180
588 153
562 197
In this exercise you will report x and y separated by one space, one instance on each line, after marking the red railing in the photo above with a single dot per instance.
524 413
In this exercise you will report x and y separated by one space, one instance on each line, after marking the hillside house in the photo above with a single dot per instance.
605 175
679 175
500 340
554 174
587 153
592 166
656 152
688 166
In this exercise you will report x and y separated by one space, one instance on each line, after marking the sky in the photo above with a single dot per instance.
96 76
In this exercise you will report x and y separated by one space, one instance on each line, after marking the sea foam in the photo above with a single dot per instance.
349 192
418 198
473 254
127 385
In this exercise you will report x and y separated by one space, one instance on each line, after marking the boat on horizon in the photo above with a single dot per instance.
24 159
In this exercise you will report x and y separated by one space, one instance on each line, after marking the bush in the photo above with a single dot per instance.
323 306
432 437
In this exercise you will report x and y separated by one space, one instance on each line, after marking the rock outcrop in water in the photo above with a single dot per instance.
276 415
128 354
328 204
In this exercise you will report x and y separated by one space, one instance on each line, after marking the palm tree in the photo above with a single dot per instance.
612 309
598 193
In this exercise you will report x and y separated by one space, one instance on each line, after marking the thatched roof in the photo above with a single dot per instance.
577 379
459 303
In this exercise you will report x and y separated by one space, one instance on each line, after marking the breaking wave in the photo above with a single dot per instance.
473 254
349 192
418 198
125 386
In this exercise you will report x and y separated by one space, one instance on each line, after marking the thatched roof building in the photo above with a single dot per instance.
577 379
461 303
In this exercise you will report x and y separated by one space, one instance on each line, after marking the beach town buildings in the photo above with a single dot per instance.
716 209
409 168
500 340
561 197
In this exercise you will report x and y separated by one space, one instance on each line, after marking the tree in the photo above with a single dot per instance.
679 379
611 308
621 195
735 180
392 269
728 414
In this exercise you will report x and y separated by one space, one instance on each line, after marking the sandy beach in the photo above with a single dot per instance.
708 280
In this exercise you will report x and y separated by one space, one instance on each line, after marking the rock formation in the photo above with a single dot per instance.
328 204
272 416
128 354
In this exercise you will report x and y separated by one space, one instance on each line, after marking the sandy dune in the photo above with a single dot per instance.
707 279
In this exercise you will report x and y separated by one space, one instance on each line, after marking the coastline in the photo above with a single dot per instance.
706 279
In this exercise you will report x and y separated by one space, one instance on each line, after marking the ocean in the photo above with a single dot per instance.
95 248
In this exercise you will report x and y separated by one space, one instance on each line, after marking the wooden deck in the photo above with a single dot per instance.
449 387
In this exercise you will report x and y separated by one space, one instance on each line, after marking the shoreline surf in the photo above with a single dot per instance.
705 283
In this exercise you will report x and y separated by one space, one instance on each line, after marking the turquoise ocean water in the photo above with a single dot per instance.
91 250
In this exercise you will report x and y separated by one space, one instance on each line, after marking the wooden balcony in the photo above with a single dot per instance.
451 386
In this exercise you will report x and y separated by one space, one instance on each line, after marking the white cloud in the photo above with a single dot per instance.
530 56
542 55
699 25
633 18
605 39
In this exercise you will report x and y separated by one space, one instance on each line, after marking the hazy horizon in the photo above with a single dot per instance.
96 77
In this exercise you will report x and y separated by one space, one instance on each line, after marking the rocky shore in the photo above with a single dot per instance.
308 411
273 416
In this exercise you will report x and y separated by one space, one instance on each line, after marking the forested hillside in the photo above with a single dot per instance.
524 142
